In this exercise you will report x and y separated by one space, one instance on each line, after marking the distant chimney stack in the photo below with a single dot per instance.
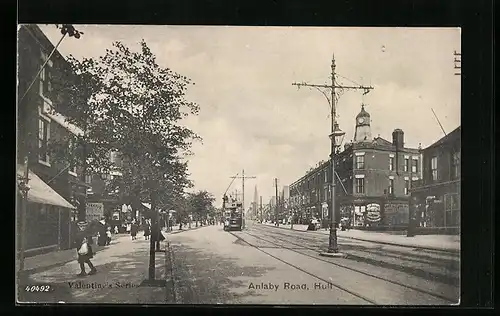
398 138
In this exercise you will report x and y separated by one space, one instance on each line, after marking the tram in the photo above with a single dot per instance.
234 217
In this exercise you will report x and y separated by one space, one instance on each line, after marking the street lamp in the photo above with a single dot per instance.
336 138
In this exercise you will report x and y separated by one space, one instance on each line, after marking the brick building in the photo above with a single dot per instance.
54 186
373 182
437 195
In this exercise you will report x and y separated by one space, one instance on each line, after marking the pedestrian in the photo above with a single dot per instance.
147 231
108 236
170 224
85 253
133 230
116 229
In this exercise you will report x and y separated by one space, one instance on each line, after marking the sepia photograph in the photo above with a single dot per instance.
168 164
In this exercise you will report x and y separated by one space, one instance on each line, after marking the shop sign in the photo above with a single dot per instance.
94 211
373 212
392 208
82 225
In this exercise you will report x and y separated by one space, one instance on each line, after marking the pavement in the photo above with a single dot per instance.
122 267
450 243
262 265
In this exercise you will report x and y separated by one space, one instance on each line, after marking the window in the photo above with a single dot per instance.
391 186
326 194
434 170
326 176
391 163
407 164
43 140
407 186
88 179
45 77
360 185
455 165
452 208
360 162
72 149
414 165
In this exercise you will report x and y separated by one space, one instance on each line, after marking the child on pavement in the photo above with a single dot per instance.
108 236
85 253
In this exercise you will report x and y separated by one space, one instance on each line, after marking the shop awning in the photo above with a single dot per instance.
146 205
41 192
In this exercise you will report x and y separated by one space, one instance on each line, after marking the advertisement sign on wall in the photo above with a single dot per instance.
373 212
94 211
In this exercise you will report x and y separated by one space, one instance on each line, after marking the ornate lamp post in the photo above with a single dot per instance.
336 138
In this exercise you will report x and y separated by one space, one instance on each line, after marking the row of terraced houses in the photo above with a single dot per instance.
55 188
377 181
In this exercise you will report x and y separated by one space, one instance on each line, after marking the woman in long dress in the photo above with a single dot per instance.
133 231
147 231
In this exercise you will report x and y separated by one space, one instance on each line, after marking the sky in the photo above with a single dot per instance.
252 118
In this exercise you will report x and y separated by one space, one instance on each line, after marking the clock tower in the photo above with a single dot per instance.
363 132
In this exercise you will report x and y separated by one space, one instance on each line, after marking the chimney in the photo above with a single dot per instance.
398 138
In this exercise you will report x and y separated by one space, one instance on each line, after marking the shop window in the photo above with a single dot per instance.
452 210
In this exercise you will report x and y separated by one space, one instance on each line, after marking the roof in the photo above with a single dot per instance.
363 112
380 141
456 133
40 192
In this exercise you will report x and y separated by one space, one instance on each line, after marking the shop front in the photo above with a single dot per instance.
47 225
438 206
375 213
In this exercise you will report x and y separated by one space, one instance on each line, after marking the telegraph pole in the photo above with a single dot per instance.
332 100
243 177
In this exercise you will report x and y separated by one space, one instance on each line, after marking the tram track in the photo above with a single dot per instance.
444 252
358 256
443 260
360 296
406 286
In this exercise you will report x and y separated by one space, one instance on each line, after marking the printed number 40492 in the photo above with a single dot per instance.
37 288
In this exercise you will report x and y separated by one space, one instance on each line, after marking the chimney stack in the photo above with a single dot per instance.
398 138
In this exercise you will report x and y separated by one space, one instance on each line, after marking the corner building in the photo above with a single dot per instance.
373 182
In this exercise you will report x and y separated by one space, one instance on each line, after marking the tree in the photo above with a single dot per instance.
201 203
133 106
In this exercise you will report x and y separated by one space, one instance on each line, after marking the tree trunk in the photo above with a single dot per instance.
154 232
